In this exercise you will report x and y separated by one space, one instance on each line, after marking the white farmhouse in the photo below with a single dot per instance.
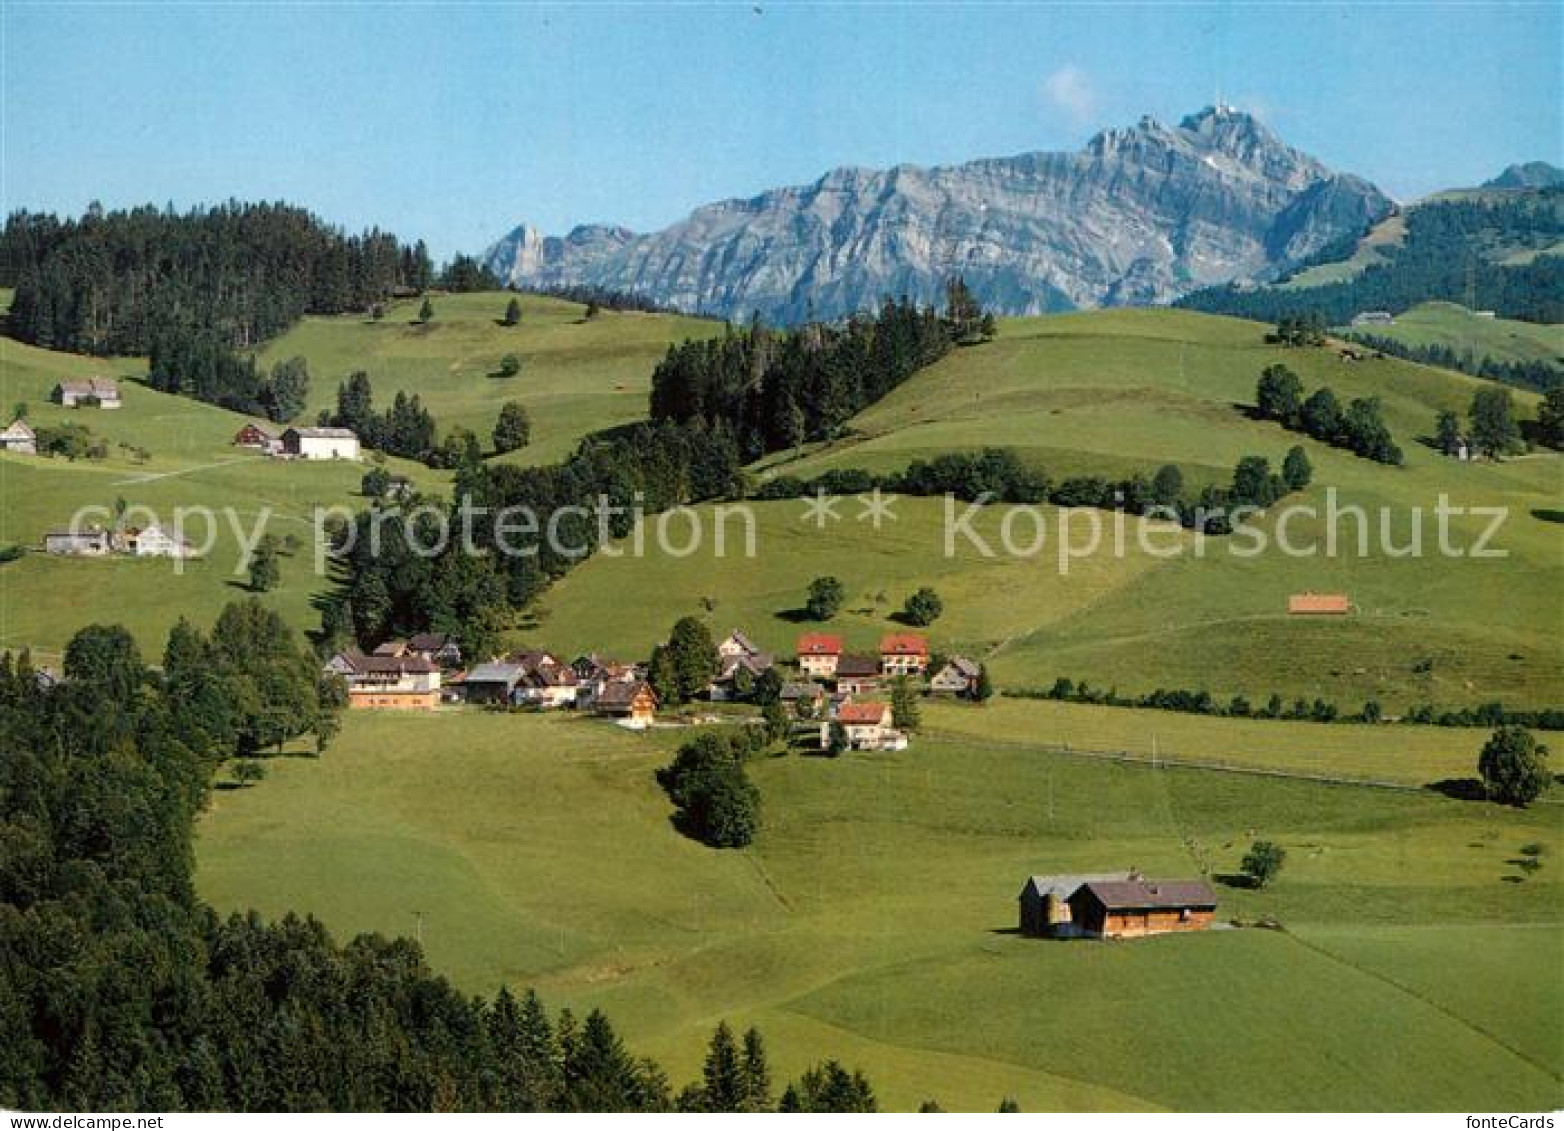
320 443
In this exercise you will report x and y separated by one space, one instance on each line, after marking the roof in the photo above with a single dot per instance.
1064 886
263 429
819 644
1135 895
744 642
324 433
801 691
494 673
91 387
754 663
857 666
429 641
391 648
904 644
392 665
19 427
623 694
1319 603
867 713
84 532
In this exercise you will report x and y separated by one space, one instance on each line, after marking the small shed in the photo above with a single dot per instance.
1117 909
1318 604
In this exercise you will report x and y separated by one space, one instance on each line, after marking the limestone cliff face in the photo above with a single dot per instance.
1140 215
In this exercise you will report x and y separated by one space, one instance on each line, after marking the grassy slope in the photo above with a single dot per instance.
577 376
871 920
1389 232
44 600
1114 392
1450 324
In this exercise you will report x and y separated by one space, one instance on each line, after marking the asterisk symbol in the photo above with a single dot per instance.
820 508
876 507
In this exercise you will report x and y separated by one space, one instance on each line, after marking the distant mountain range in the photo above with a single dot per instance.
1141 215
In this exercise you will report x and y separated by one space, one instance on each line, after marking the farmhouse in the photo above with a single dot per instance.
403 683
549 685
259 437
92 541
18 437
634 704
868 726
320 443
1121 909
809 694
818 653
436 647
858 675
903 653
1318 604
1113 905
959 676
154 542
100 391
493 683
1374 318
737 644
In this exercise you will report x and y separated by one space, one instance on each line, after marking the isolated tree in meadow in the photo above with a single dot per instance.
513 429
1262 862
1296 469
923 607
592 310
247 772
510 365
1447 433
1279 395
1008 1106
375 483
1492 416
265 572
826 595
513 312
426 311
1514 767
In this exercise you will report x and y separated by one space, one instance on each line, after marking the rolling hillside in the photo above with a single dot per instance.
1121 392
577 376
1454 327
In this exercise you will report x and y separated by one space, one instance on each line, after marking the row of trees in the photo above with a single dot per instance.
1202 702
775 389
113 282
1493 428
408 429
1359 427
1000 475
1539 374
1443 255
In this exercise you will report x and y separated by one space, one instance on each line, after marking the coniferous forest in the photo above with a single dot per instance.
116 282
1441 257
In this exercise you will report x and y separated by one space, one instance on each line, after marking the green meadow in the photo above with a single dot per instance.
1453 326
1118 392
873 918
578 376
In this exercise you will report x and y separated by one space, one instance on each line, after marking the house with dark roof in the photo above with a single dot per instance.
492 683
858 675
958 676
1133 908
399 682
633 704
1113 905
437 647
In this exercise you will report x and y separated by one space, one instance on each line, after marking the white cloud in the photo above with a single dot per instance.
1070 91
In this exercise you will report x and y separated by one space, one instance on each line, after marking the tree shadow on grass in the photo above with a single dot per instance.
1460 789
796 616
1547 514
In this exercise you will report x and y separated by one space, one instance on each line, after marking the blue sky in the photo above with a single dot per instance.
455 121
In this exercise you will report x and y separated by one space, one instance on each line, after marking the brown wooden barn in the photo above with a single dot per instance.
1117 909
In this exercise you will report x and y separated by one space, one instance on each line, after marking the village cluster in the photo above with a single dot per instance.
827 686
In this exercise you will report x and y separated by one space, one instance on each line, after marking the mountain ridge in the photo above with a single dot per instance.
1140 214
